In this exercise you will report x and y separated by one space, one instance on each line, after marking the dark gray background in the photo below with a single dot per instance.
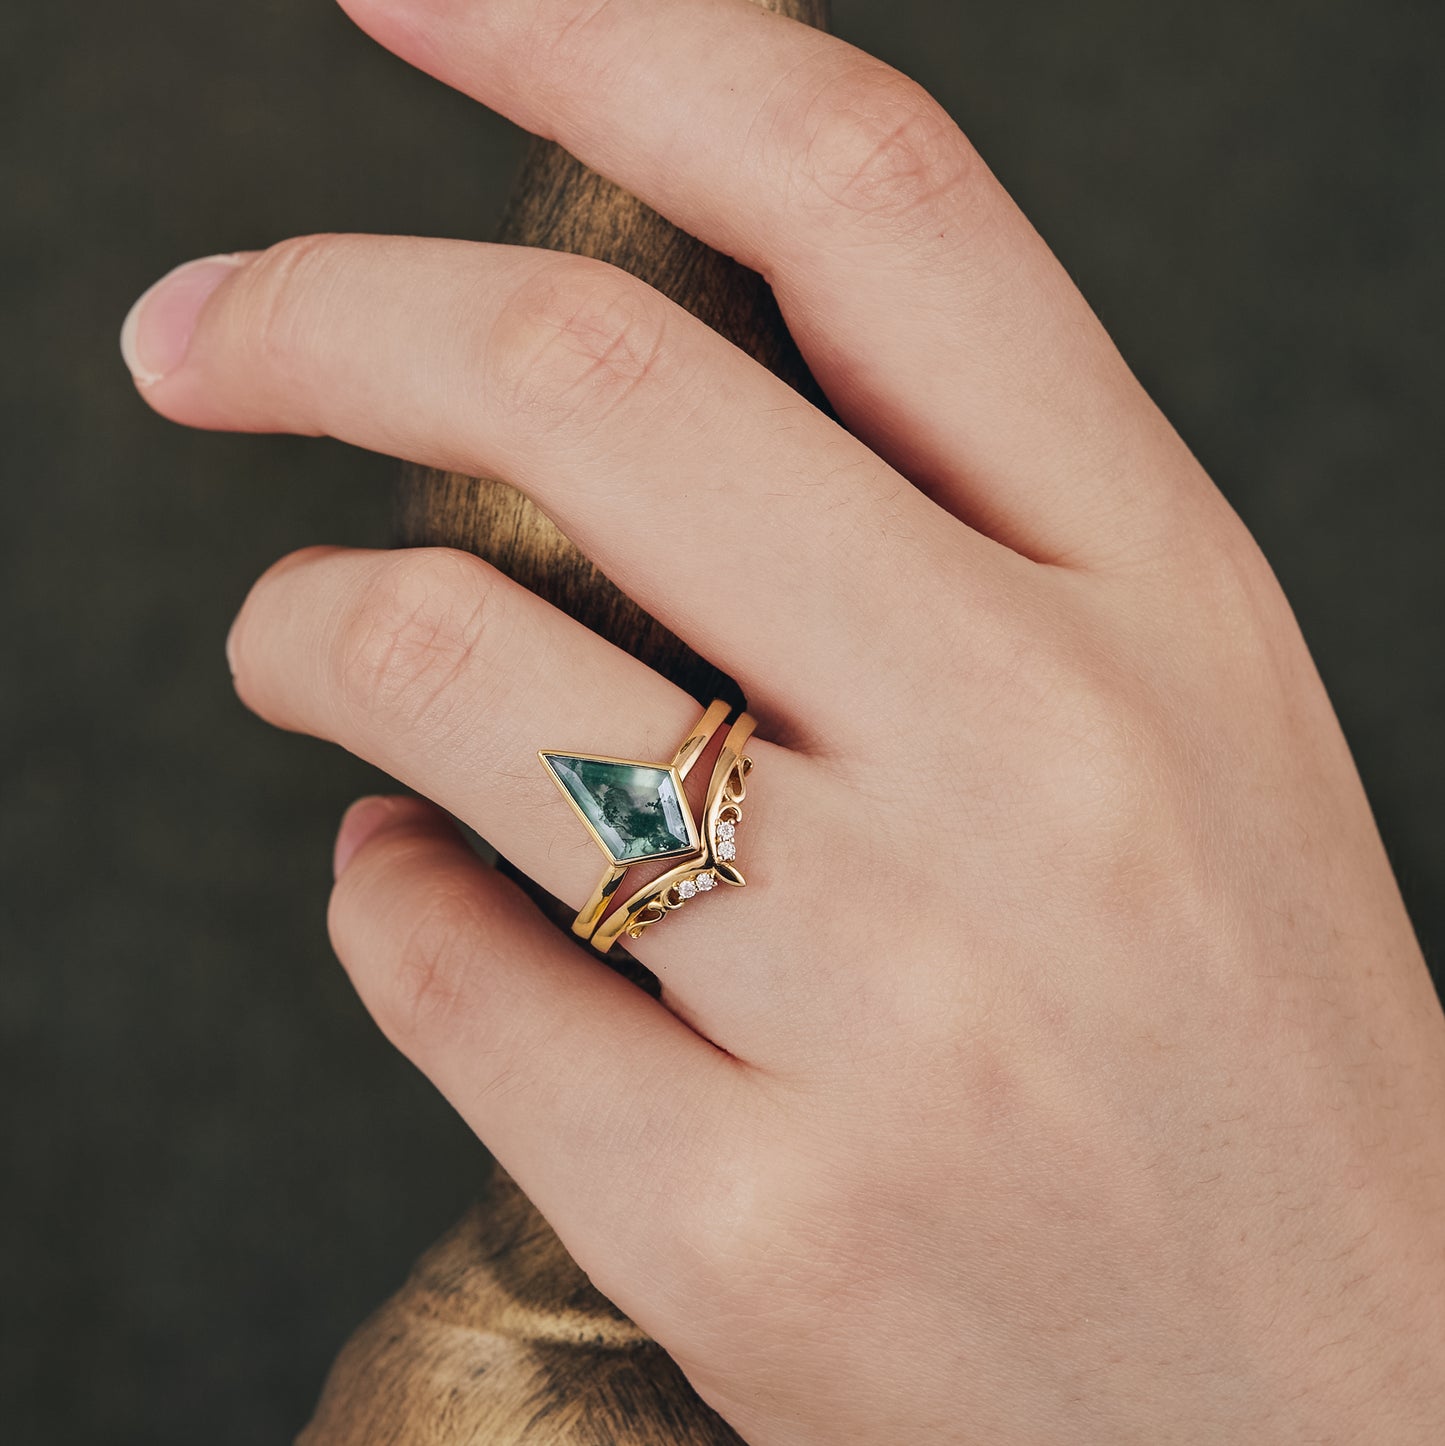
213 1165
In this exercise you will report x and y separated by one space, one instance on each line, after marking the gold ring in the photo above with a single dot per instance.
638 813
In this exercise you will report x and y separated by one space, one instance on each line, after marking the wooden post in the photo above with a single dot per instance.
498 1337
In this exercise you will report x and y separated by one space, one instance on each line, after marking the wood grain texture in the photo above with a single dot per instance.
498 1337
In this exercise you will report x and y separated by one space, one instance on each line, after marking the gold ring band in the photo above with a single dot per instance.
638 812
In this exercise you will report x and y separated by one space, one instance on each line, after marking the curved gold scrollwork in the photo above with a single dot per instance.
735 788
648 916
703 871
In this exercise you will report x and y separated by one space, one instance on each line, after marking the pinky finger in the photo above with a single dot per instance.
602 1105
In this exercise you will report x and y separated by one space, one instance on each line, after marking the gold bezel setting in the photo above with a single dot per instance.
708 859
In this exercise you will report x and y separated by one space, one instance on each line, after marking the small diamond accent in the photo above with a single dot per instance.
726 829
687 889
704 882
727 850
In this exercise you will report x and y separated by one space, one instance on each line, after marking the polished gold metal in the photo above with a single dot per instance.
727 790
690 750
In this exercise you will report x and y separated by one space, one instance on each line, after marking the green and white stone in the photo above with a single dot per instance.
635 809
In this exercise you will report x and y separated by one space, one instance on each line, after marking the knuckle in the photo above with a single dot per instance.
1099 754
1234 592
280 285
566 32
781 1219
428 992
576 342
410 930
413 634
877 144
710 1241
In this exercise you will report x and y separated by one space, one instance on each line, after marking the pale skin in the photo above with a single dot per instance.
1068 1071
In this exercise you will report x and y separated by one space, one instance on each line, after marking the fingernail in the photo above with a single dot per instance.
366 818
157 329
231 645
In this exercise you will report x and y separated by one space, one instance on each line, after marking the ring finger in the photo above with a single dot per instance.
434 666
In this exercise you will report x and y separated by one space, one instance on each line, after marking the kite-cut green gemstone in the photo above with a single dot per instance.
635 807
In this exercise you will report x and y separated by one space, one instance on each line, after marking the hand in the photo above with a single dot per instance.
1067 1071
